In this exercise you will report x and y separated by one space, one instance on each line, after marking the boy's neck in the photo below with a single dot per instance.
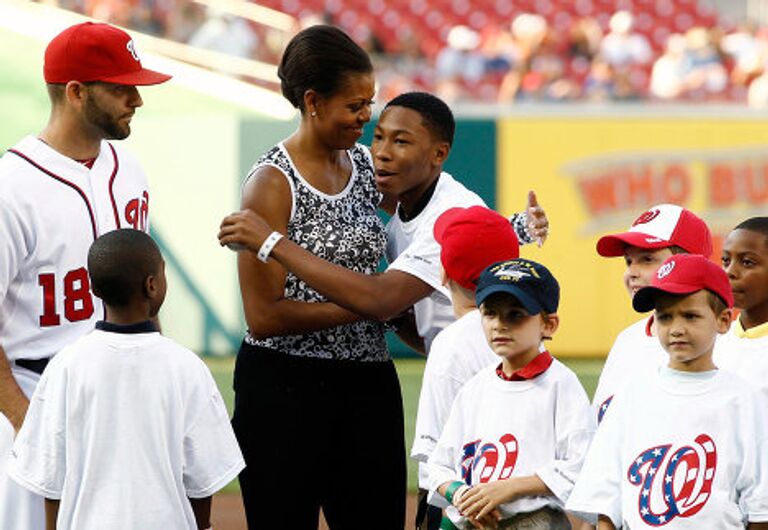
413 202
703 363
510 365
125 316
752 318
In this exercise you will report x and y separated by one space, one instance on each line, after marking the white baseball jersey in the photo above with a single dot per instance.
457 354
500 429
123 428
745 352
51 210
633 352
411 248
682 449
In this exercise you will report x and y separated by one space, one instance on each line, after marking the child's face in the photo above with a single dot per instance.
745 260
642 264
687 327
511 332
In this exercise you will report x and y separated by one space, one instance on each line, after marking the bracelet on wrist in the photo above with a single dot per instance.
268 245
451 489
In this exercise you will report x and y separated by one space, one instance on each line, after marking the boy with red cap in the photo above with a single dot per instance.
518 430
686 445
744 349
470 239
60 190
662 231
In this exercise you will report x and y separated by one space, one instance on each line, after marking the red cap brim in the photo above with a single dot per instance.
141 77
615 244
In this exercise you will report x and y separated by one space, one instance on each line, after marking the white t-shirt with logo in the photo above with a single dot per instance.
500 429
458 353
411 248
633 352
688 450
123 428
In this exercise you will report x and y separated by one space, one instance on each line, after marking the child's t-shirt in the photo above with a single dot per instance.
458 353
682 449
745 353
500 429
635 351
122 428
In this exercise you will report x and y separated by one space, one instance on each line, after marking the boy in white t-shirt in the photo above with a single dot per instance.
744 349
660 232
126 428
471 239
685 446
518 431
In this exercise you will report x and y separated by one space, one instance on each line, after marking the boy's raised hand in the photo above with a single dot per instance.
538 224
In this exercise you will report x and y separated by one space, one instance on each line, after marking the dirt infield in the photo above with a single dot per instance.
228 512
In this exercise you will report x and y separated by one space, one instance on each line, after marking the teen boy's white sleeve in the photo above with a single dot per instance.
421 258
598 488
574 428
212 457
38 460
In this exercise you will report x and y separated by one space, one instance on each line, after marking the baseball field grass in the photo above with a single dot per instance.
410 372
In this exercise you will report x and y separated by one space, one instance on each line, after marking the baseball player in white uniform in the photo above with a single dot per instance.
58 191
685 445
659 232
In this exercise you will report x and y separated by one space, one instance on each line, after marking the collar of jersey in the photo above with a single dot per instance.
537 366
752 333
140 327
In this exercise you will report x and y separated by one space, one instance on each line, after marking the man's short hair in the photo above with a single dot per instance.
119 262
755 224
437 116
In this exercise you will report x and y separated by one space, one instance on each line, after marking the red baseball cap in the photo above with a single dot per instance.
472 239
662 226
96 52
684 274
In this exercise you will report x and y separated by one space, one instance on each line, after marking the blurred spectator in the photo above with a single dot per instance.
225 33
706 74
669 70
600 84
585 39
458 63
621 47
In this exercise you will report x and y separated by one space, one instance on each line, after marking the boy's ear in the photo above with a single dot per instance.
550 323
443 277
724 320
150 287
442 149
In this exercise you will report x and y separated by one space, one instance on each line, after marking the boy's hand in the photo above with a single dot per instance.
538 224
481 501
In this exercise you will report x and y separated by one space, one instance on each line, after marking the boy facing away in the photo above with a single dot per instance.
744 349
518 431
684 446
662 231
126 429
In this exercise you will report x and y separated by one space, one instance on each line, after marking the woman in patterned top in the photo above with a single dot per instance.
318 410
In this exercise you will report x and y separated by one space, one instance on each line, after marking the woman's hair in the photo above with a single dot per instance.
319 58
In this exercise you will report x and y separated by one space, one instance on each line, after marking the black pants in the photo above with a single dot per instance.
319 433
428 517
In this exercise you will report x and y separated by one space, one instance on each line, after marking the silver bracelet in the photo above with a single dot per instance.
268 245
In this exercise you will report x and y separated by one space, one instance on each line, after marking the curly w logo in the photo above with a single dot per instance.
490 461
686 482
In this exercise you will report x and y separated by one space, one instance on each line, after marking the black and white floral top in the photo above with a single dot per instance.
343 229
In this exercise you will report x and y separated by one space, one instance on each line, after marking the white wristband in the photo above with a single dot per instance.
268 245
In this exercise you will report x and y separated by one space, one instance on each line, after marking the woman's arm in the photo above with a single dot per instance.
262 285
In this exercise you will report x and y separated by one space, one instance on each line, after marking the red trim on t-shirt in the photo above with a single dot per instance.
63 181
88 162
535 368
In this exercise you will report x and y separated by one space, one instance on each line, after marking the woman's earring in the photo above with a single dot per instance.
314 113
